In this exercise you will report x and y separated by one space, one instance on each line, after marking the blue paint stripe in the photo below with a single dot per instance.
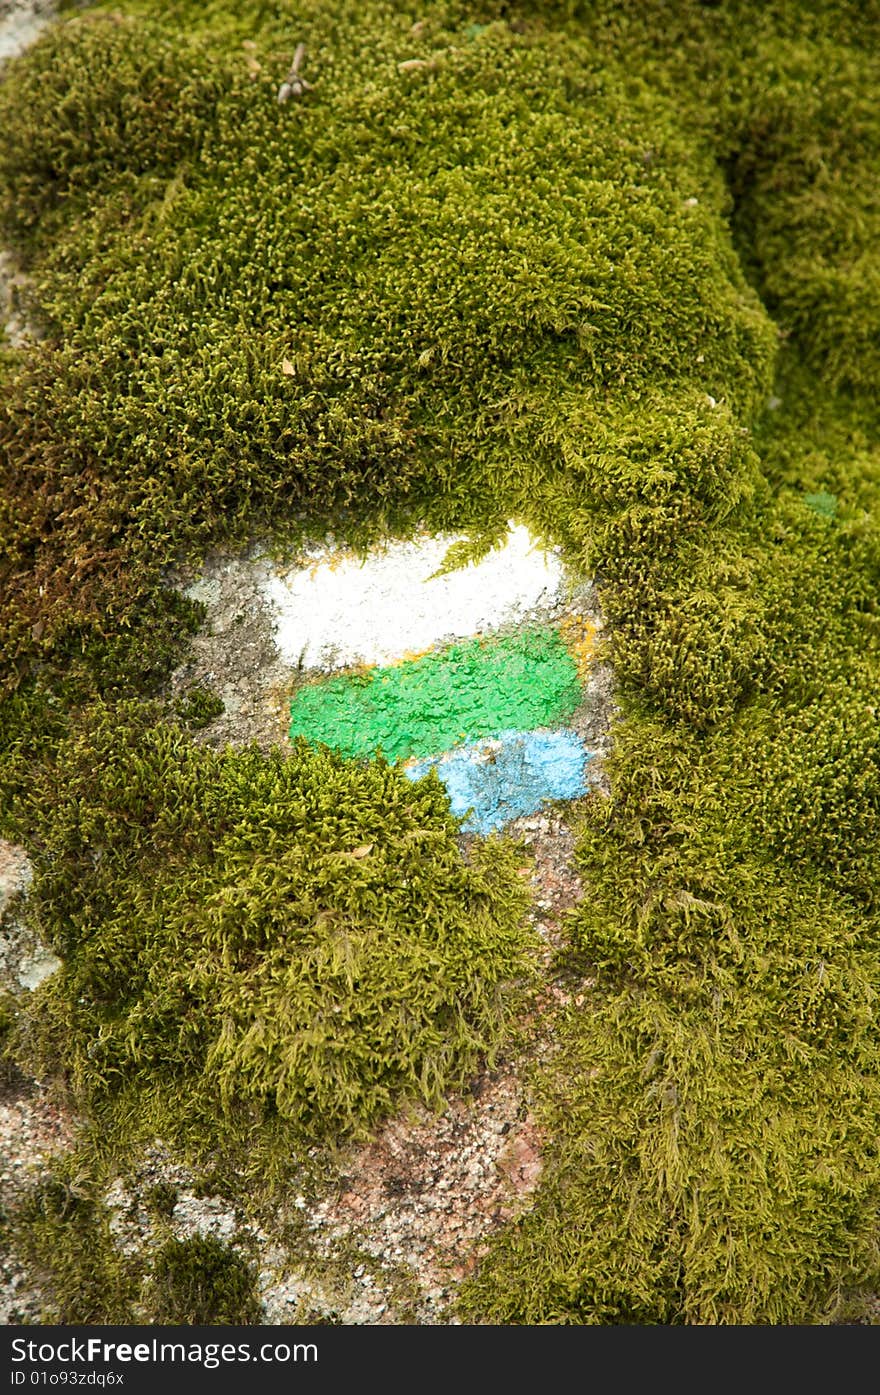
511 775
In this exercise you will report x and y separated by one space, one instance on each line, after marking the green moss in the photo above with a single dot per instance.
823 503
161 1199
201 1281
713 1155
143 110
448 317
719 1091
198 708
556 272
9 1074
125 657
63 1231
248 937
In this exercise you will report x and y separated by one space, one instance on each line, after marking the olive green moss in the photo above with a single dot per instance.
714 1111
114 662
65 1232
374 300
200 1281
245 937
10 1075
607 267
198 707
161 1199
721 1092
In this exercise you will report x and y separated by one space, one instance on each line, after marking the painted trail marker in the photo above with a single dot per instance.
477 687
488 711
339 610
495 781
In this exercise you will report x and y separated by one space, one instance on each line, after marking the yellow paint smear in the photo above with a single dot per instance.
579 633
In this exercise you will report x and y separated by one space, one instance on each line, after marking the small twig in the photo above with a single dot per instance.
294 85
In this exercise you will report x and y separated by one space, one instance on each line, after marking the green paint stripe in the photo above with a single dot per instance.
428 705
823 503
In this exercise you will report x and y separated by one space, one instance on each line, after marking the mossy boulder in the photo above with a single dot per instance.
609 268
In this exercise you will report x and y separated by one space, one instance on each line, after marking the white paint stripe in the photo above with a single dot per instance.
341 611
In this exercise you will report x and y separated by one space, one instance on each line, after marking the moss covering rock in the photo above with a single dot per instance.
294 937
610 269
68 1235
373 299
201 1281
